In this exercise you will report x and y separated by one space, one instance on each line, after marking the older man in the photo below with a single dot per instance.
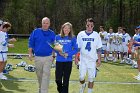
39 42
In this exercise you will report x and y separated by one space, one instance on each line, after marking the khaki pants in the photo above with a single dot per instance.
137 52
43 66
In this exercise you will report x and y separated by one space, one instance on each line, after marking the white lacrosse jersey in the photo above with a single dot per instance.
3 41
125 38
89 44
104 39
111 38
118 37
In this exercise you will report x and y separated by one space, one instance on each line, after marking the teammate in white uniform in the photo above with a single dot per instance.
89 44
111 44
103 35
124 49
118 41
4 47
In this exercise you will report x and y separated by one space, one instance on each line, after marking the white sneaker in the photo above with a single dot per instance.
105 59
137 78
3 77
114 60
122 61
82 88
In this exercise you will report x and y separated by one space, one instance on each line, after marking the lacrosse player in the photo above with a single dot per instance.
6 26
137 48
124 50
118 41
103 35
111 45
89 44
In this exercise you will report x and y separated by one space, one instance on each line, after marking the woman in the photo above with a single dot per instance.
64 59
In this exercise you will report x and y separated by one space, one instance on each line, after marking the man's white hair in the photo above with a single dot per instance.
45 18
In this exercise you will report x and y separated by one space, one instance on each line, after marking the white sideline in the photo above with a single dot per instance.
76 81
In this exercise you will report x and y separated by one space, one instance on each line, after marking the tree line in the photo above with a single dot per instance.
26 15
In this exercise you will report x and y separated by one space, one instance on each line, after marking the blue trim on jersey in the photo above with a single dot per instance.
5 43
69 46
2 54
3 51
38 41
88 33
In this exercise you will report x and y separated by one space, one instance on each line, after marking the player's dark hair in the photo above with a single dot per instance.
102 27
124 29
89 20
6 25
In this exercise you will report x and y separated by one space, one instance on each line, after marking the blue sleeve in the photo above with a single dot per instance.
74 47
55 40
54 36
31 43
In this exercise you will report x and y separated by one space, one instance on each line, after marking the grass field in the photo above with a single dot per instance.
112 77
21 46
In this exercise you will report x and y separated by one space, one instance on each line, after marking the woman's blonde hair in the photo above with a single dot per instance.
71 30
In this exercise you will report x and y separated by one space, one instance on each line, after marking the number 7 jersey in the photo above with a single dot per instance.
88 44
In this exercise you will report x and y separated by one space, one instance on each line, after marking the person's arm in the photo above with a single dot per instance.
99 57
77 58
12 40
99 50
10 45
30 53
31 46
74 46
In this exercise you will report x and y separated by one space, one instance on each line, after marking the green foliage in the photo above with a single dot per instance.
25 15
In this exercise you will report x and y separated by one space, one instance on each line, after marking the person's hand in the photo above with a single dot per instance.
77 59
65 55
11 45
12 40
98 63
30 57
53 58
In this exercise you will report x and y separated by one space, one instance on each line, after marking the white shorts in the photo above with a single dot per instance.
3 56
85 66
124 48
118 48
110 47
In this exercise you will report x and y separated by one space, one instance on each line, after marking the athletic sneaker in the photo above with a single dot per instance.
3 77
114 60
105 59
122 61
137 77
82 88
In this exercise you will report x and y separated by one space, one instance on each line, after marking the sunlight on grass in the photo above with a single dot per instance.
108 72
